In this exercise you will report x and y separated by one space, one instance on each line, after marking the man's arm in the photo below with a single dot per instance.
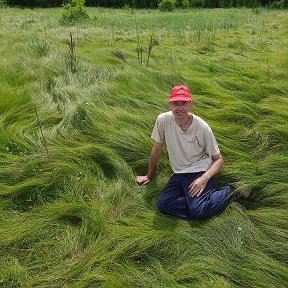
154 157
198 185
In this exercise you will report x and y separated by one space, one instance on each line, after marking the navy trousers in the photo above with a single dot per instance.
174 199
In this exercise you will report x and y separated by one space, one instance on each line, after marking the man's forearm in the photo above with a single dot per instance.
214 168
154 157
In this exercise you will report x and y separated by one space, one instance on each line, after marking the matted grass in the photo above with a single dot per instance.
72 215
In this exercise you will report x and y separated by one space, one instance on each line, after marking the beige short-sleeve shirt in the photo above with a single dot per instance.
189 151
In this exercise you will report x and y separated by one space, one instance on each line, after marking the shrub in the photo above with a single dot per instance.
226 3
185 3
182 3
34 3
278 4
211 3
167 5
73 11
2 3
197 3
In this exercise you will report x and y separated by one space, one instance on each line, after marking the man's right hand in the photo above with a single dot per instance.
143 180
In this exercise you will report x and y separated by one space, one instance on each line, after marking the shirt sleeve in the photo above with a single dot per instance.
210 146
158 133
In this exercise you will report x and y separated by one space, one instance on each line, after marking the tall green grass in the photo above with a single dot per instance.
71 213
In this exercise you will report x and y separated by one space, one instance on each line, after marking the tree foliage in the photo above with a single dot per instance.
155 3
167 5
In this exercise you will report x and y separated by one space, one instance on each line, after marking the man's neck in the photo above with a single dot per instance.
185 122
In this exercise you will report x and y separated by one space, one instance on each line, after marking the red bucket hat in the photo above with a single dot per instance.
180 93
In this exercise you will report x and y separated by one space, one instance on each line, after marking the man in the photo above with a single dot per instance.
195 159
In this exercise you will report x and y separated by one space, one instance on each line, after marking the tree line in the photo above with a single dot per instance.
155 3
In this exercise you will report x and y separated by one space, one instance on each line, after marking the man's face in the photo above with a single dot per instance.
180 109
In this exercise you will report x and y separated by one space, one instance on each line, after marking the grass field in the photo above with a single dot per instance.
75 128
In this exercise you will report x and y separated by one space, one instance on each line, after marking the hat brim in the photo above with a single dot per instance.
180 98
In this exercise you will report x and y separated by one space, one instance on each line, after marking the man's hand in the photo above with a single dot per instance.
197 187
143 180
